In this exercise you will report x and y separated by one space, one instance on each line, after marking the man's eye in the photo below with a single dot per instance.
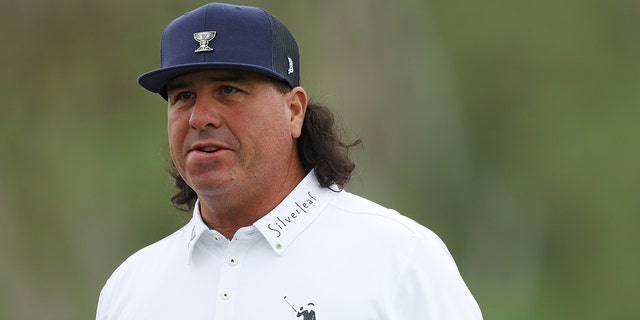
185 95
228 90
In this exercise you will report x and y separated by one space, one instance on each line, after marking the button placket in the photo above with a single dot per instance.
230 273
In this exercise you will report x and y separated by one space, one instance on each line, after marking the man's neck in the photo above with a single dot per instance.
227 214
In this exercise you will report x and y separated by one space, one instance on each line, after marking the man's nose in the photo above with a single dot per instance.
205 114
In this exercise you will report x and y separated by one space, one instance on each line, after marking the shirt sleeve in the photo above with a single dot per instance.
430 286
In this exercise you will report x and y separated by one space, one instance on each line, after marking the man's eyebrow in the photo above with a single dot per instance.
233 77
173 85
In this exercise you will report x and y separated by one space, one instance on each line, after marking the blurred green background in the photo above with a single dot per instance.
507 127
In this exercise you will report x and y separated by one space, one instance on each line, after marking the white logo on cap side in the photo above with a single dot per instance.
203 38
290 71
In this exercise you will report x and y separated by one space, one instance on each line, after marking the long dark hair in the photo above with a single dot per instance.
319 148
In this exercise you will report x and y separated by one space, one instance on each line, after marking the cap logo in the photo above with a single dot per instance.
290 71
203 38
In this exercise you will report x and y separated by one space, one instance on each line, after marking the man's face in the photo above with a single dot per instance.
232 132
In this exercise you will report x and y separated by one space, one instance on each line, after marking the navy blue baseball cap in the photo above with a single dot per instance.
225 36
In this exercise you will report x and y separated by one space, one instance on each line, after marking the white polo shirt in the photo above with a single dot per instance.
320 254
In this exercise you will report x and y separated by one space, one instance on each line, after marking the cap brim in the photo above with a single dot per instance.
156 80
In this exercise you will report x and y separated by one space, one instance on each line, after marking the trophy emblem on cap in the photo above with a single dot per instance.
203 38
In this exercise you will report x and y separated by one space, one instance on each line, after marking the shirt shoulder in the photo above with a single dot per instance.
161 248
152 255
135 272
426 279
381 218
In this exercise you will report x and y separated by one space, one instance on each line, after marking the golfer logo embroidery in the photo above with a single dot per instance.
306 312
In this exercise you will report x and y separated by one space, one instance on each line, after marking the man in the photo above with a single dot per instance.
262 170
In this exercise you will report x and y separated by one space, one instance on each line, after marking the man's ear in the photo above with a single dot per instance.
297 108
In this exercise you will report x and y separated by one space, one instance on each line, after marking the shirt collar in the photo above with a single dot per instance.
295 213
195 229
284 223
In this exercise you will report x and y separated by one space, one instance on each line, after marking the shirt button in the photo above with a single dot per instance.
225 296
232 261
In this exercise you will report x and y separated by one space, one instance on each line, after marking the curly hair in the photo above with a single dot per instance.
319 148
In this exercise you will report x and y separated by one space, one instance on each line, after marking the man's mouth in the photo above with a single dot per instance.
208 149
